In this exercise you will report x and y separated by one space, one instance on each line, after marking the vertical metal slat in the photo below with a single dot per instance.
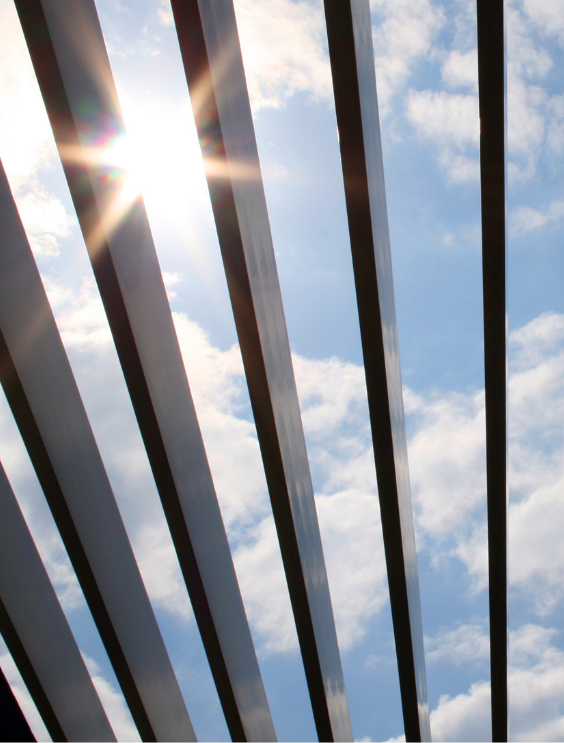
71 63
492 97
210 49
351 53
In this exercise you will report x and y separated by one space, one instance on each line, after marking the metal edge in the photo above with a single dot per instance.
351 54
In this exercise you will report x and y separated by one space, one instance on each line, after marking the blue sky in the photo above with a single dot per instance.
427 76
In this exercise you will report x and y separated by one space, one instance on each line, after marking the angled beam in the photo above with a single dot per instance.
38 636
209 45
40 387
492 97
68 52
13 725
351 53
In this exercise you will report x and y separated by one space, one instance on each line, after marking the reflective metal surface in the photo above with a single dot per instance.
351 53
492 97
13 725
46 404
38 635
209 44
71 63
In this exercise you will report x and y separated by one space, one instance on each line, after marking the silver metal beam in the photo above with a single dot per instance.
351 52
13 725
493 108
67 49
210 49
38 636
40 387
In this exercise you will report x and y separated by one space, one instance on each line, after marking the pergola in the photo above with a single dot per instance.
68 52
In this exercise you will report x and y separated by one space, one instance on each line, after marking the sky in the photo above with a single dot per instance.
426 68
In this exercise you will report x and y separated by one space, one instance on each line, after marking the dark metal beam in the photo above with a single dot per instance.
349 30
492 96
209 44
38 636
67 49
40 387
13 725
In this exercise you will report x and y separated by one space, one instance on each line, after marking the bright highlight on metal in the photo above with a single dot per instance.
81 100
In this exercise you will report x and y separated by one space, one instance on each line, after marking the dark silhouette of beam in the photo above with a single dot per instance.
492 96
209 44
349 31
71 63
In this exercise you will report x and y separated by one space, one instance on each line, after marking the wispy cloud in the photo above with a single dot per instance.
403 34
284 46
525 219
465 643
26 141
113 702
536 683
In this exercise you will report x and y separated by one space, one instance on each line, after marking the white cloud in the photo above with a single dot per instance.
80 316
403 37
263 587
447 463
446 460
164 13
555 128
26 141
465 717
113 702
336 421
465 643
535 111
25 134
460 69
452 121
171 279
525 219
354 553
45 219
530 107
548 15
284 47
536 685
447 467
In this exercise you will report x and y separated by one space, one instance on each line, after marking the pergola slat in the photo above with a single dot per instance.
38 636
492 98
71 63
40 387
210 49
351 53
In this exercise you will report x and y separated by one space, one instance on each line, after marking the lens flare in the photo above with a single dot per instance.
114 175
